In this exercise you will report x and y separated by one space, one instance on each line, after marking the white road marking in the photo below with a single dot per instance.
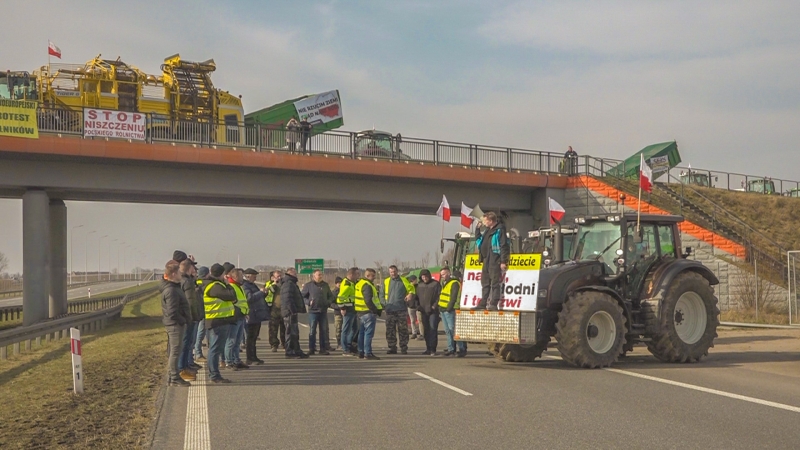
381 320
303 325
197 436
442 383
693 387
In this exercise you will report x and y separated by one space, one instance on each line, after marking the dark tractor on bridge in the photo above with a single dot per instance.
624 284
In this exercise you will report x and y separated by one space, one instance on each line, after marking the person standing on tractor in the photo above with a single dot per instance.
494 251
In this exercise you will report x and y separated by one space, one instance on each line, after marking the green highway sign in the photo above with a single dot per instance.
308 266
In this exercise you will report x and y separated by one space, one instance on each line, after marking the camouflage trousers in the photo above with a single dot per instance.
337 325
397 323
277 329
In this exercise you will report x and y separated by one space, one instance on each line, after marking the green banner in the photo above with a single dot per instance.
308 266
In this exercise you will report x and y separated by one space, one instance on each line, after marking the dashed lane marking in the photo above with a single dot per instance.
693 387
442 383
197 436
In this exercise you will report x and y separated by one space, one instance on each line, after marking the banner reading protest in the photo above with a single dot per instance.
322 108
521 283
18 119
114 124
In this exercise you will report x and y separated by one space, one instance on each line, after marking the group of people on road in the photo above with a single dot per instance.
224 305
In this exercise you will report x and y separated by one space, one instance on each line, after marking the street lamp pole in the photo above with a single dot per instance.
71 251
119 267
109 258
100 239
86 258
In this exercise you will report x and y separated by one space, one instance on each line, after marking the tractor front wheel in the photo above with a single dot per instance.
591 330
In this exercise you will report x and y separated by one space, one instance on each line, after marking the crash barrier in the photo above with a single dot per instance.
14 289
18 292
8 313
56 329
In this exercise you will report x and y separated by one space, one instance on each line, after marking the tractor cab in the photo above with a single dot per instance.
696 178
761 186
379 144
542 240
18 86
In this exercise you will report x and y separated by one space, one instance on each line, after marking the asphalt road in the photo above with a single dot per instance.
97 289
740 397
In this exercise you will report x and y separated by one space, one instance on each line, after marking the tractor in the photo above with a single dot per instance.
626 283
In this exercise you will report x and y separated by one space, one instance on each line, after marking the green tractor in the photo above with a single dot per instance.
627 283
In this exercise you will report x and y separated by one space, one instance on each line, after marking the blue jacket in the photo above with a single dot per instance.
256 301
499 244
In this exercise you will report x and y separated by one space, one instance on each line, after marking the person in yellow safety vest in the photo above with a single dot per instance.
277 329
345 300
397 293
449 302
218 300
368 307
232 347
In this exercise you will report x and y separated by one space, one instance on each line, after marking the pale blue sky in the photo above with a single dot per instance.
607 78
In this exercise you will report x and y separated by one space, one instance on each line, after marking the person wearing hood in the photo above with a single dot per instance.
202 279
428 292
398 293
233 358
218 301
259 312
291 305
189 287
175 316
318 297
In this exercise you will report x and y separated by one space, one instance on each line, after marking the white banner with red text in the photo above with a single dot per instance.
114 124
520 288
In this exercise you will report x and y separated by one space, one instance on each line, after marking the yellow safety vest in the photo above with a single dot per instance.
241 299
347 293
361 302
216 308
410 289
270 295
444 297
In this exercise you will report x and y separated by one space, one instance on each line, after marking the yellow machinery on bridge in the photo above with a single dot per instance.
183 103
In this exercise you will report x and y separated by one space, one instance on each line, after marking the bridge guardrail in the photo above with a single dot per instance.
59 328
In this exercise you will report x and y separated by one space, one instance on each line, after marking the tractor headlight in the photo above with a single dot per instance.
545 253
546 262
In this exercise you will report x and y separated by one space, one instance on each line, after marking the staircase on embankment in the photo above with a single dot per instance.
721 250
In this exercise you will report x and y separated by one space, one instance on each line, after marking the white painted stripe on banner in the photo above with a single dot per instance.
442 383
197 436
693 387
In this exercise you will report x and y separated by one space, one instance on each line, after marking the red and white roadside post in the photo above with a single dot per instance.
77 365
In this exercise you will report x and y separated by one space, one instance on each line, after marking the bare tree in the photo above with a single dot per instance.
379 268
426 258
3 262
753 292
355 263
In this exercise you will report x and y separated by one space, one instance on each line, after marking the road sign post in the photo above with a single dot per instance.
308 266
77 365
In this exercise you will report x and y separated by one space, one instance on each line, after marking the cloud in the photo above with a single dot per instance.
636 28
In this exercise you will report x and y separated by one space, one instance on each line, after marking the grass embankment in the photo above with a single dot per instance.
6 324
123 368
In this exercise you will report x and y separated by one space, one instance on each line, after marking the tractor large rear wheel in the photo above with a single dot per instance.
687 324
591 330
517 352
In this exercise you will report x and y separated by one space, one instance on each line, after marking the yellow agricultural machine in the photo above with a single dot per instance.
182 102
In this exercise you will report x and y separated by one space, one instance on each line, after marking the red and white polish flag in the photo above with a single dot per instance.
444 210
466 218
645 175
556 211
53 50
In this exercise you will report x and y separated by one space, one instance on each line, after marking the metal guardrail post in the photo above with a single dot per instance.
436 152
509 163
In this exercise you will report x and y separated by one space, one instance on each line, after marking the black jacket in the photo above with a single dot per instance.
455 292
256 300
485 251
335 294
221 291
291 298
428 295
174 306
366 291
318 296
195 298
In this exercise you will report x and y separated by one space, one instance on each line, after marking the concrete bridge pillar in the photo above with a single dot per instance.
58 258
35 256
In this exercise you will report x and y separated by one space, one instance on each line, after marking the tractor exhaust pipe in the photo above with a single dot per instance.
558 244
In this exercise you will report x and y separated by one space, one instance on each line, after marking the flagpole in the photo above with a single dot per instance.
639 205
